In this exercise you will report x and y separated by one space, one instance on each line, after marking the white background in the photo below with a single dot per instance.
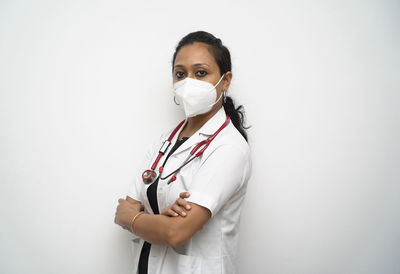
85 86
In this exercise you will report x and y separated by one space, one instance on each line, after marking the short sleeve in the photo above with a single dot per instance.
222 174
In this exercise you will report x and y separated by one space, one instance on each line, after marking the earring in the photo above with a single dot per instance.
224 95
175 101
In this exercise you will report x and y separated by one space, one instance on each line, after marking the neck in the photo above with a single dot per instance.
195 123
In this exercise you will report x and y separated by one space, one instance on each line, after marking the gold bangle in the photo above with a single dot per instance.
133 221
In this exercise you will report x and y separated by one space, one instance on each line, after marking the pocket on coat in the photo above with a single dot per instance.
178 263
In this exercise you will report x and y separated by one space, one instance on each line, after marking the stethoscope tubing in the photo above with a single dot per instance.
148 174
187 161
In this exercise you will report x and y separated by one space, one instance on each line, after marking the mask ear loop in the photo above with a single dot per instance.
222 96
224 91
219 81
175 101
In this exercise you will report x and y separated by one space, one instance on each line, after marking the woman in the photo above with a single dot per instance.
199 197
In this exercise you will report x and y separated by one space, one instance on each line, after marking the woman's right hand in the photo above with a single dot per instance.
179 208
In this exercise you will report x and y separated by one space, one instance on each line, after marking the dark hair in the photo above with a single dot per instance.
223 59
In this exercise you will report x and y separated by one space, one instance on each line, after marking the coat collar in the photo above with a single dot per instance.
212 125
208 129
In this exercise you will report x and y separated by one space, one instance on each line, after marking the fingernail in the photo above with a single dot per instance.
175 214
183 213
187 206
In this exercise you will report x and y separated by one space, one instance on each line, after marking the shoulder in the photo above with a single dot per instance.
230 138
230 147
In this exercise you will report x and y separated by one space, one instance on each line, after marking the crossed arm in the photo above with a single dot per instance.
174 226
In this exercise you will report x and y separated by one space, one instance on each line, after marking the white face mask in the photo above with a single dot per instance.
196 96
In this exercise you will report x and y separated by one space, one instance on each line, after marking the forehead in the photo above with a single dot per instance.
195 53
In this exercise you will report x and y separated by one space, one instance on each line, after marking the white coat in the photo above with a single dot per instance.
217 180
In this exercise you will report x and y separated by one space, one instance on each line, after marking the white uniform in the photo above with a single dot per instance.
216 180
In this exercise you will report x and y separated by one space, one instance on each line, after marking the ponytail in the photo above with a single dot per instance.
236 114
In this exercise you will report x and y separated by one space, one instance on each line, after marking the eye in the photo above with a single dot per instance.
179 74
201 73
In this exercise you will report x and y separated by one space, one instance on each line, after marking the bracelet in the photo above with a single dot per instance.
133 221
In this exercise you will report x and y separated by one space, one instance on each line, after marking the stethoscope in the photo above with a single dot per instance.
150 175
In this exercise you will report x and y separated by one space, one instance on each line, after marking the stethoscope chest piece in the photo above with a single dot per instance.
148 176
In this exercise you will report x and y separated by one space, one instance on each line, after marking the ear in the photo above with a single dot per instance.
226 81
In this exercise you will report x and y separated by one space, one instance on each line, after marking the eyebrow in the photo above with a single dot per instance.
194 65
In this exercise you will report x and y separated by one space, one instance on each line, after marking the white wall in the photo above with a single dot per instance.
85 86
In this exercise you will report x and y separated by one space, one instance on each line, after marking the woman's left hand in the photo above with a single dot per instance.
126 210
179 208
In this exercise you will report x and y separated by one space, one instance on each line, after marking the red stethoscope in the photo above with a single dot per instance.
150 175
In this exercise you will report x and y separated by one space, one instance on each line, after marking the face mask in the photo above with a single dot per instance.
196 96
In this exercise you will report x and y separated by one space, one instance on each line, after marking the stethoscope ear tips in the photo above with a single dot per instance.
148 176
